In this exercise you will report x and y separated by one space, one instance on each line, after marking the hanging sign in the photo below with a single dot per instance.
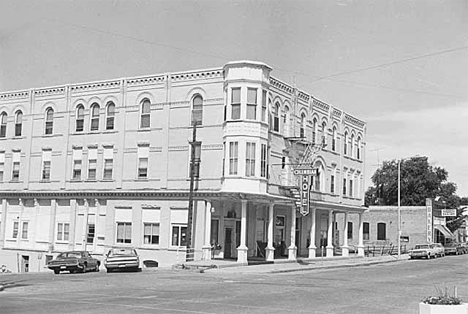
305 195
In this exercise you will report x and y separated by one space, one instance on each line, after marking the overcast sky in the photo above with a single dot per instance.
401 66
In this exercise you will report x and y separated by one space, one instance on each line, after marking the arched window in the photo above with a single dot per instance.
351 146
345 144
314 131
110 115
145 113
381 231
276 110
49 123
358 148
303 125
286 121
197 110
324 133
95 117
3 124
79 122
18 123
334 139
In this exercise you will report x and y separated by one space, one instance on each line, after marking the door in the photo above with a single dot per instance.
24 263
227 242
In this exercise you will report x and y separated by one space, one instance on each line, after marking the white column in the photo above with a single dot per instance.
330 234
96 225
345 247
270 250
72 237
361 236
52 221
312 247
242 249
2 225
85 225
207 245
292 250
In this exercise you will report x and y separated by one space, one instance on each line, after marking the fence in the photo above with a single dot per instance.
380 250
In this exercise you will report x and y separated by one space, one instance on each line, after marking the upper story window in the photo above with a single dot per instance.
196 148
251 103
314 131
92 163
345 144
49 121
95 117
286 121
334 139
358 148
18 123
351 146
233 157
276 111
263 161
235 103
303 125
110 115
332 184
264 105
324 133
197 110
108 163
16 166
145 113
250 159
79 122
46 161
77 163
143 156
2 165
3 124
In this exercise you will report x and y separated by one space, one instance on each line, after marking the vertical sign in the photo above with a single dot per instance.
429 220
305 195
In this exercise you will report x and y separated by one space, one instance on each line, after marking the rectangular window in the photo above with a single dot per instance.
233 150
351 188
90 233
92 163
350 230
143 155
46 160
365 231
179 235
264 105
24 230
2 165
108 163
63 231
16 170
381 231
263 161
344 187
251 103
151 233
250 160
15 229
124 232
77 157
235 103
332 184
49 127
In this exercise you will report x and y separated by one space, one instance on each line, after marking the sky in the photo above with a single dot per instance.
400 66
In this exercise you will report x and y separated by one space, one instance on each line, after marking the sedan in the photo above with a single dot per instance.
74 261
423 251
122 258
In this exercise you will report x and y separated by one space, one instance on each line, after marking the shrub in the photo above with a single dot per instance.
443 297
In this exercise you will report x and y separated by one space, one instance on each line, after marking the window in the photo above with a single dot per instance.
276 110
110 115
324 134
49 124
345 144
2 165
18 123
251 103
197 110
92 163
334 139
179 235
233 150
151 233
3 124
95 117
365 231
143 155
264 105
317 178
91 231
77 158
108 163
16 166
235 103
124 232
358 148
314 131
381 231
344 186
350 188
145 113
350 230
303 125
263 161
214 231
24 230
351 146
46 160
332 184
250 160
15 229
79 122
196 163
63 231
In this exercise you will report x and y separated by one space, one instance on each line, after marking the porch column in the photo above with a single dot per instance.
85 226
207 245
345 247
312 247
2 225
52 221
292 250
361 236
270 250
330 234
242 249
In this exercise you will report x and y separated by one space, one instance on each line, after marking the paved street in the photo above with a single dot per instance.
385 288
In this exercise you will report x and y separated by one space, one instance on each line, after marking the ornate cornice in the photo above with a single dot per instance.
159 79
198 75
303 96
280 85
95 86
14 95
44 92
353 120
321 105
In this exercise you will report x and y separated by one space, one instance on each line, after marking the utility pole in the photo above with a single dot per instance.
189 256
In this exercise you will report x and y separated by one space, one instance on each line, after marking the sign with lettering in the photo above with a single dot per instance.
305 194
429 220
305 171
449 212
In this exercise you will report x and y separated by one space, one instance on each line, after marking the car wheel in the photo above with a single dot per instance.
109 270
83 270
96 269
56 271
72 271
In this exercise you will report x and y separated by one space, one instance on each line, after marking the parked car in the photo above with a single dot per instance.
122 258
464 247
453 248
74 261
423 251
439 249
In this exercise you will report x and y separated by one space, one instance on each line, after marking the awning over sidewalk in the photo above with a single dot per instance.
445 231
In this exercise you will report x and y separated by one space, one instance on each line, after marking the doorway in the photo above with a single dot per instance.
227 242
24 263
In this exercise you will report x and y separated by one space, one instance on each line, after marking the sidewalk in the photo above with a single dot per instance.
283 266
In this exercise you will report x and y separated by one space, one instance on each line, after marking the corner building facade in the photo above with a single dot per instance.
107 164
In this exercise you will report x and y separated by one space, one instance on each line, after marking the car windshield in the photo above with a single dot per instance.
123 251
423 246
69 254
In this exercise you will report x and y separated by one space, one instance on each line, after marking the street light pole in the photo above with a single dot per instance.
399 212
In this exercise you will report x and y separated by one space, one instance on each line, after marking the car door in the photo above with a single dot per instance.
91 260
